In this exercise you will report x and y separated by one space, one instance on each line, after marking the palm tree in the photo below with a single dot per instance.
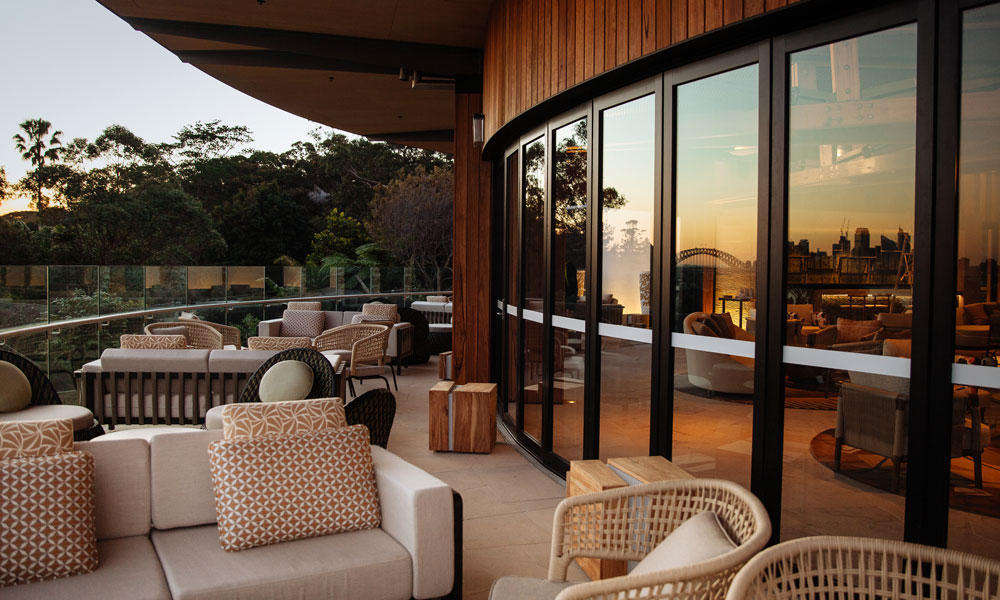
37 146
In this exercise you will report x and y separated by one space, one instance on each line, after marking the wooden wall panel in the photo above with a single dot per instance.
536 49
471 259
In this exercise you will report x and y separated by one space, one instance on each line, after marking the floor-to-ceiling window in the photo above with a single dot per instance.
851 175
975 455
627 188
533 227
715 254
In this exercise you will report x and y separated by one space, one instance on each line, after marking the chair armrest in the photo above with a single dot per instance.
862 347
417 512
824 337
400 340
270 328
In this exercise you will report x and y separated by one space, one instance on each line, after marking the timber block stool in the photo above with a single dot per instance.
462 418
444 366
586 476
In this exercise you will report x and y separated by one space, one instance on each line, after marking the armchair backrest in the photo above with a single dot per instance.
389 312
199 335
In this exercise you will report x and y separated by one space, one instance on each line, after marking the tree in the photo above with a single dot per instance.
262 222
4 186
339 239
411 219
203 141
40 148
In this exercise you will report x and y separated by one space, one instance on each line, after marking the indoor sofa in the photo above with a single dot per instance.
158 538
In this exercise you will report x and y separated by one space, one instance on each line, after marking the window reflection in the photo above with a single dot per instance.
569 263
533 216
974 521
627 192
851 161
513 288
716 251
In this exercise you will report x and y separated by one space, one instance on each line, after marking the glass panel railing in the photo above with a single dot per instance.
23 298
73 292
166 286
122 288
206 285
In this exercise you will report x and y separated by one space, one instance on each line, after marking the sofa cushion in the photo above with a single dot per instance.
237 361
256 419
180 479
81 416
975 314
286 380
276 489
19 439
849 330
703 328
47 506
358 565
302 323
698 539
130 341
527 588
128 569
725 323
372 320
15 389
155 361
121 485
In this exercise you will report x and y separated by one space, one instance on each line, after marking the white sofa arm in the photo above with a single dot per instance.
270 328
400 341
417 512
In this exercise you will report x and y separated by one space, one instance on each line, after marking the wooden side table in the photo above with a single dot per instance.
462 418
586 476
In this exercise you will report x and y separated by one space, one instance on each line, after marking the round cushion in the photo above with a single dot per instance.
287 380
81 416
15 390
213 418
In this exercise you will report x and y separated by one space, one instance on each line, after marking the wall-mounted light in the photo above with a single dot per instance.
478 121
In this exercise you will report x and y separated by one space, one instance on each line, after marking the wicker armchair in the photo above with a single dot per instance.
366 343
389 312
849 567
199 335
44 394
376 409
324 376
230 335
627 523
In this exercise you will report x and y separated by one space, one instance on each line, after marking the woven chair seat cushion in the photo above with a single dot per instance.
81 416
369 370
526 588
345 355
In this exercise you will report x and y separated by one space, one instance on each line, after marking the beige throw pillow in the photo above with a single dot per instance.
47 509
286 380
19 439
257 419
302 323
15 389
277 489
698 539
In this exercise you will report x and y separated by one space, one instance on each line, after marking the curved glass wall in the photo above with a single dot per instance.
722 264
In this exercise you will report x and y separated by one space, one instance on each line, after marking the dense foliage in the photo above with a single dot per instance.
199 199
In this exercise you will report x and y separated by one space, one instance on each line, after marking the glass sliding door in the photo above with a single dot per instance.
849 260
715 225
533 227
974 519
512 292
569 276
627 176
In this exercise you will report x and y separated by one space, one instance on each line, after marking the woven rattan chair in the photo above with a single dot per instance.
199 335
43 393
627 523
389 312
375 409
849 567
230 335
324 377
367 343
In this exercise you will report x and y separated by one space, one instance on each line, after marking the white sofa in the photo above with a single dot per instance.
157 536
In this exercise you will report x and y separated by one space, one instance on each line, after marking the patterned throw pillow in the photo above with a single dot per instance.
153 342
278 343
302 323
277 489
305 306
19 439
387 312
258 419
47 525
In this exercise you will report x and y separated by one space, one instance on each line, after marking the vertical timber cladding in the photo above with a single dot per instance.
471 250
536 49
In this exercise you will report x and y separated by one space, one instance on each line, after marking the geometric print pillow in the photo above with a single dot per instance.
257 419
47 526
277 489
130 341
35 438
302 323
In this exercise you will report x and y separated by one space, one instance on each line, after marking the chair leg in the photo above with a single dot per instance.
838 447
977 462
350 384
386 382
394 384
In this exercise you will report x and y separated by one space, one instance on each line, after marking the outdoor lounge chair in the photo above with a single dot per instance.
364 345
230 335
